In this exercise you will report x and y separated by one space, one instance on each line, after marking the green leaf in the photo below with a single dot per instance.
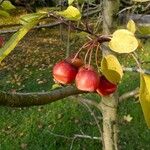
70 2
71 13
145 96
14 40
4 13
25 19
7 5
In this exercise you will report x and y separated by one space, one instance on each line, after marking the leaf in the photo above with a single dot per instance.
131 26
111 69
7 5
55 86
31 17
71 13
141 1
123 41
127 118
70 2
4 13
13 41
145 96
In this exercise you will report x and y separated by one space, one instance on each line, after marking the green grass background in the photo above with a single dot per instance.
32 128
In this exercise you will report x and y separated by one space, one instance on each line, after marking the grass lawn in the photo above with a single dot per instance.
28 69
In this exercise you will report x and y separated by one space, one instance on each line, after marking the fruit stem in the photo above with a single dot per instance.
90 56
85 58
84 46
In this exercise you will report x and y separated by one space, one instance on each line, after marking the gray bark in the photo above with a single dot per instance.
38 98
109 104
110 132
110 8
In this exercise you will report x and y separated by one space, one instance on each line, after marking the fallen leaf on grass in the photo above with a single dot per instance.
127 118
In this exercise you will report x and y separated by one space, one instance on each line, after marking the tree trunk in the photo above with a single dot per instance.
110 131
110 9
109 104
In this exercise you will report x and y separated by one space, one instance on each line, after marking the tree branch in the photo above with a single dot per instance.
128 69
49 25
94 116
128 94
33 99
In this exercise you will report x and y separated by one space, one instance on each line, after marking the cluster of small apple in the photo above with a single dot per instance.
1 41
86 78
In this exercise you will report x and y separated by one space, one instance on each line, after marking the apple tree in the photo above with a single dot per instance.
93 68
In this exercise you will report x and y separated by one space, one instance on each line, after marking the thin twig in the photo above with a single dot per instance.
99 21
87 136
124 9
94 116
88 101
72 143
92 12
137 61
83 136
75 137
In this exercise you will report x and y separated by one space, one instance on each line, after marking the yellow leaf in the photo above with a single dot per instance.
131 26
7 5
25 19
111 69
123 41
70 2
4 13
128 118
71 13
15 38
145 97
